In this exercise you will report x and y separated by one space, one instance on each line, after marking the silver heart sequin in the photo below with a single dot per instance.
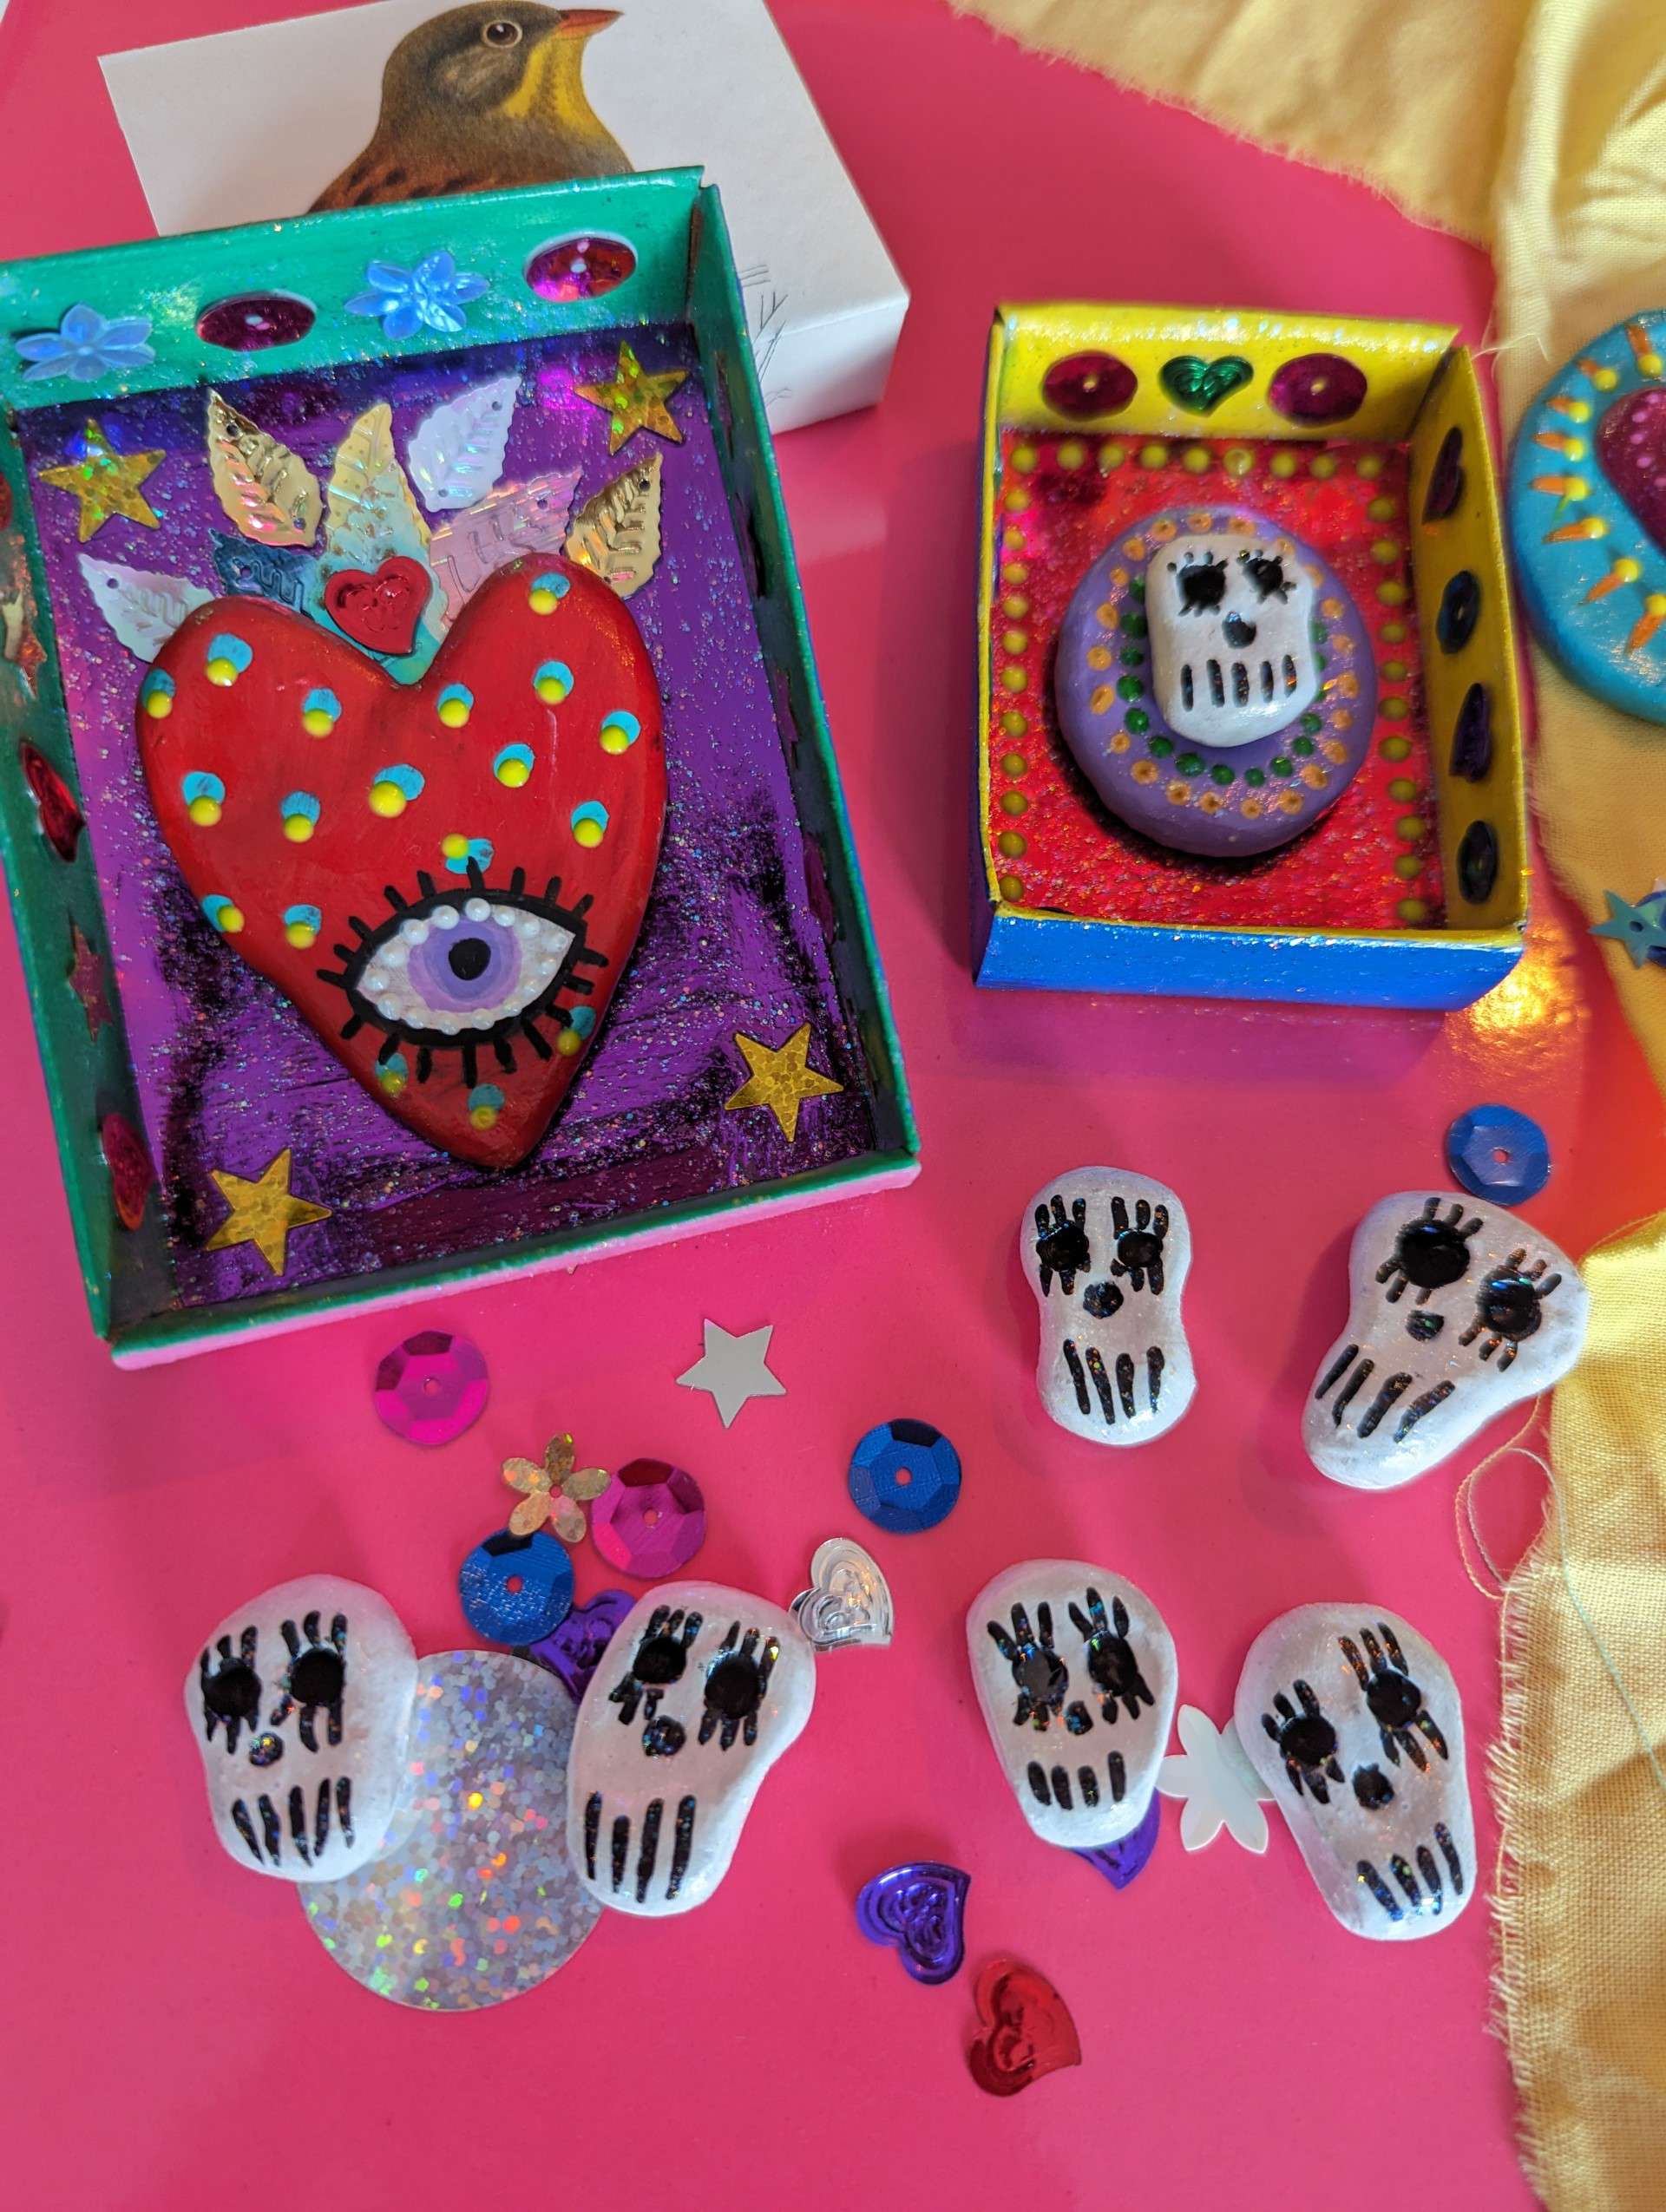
848 1601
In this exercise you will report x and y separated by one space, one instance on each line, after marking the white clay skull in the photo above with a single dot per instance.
1231 631
700 1691
1075 1671
1353 1723
1457 1310
1107 1253
300 1703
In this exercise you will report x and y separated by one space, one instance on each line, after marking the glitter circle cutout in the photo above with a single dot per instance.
581 268
476 1900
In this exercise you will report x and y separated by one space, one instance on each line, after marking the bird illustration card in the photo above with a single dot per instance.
402 100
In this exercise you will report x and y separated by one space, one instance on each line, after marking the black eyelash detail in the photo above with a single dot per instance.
418 1024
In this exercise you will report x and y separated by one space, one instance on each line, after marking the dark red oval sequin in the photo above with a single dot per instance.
580 268
253 320
1084 384
129 1161
60 818
1317 388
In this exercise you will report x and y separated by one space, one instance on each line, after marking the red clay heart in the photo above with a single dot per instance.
446 878
380 611
1030 2031
1632 446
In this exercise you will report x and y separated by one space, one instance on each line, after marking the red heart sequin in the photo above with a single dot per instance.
1030 2031
1632 446
445 877
380 611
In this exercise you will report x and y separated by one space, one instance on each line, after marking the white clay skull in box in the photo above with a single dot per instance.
1457 1310
1107 1253
700 1691
1075 1671
300 1703
1352 1721
1231 631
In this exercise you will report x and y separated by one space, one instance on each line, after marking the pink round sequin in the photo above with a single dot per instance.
432 1387
650 1520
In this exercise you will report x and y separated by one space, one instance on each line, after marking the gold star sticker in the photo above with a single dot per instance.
635 401
106 483
781 1079
263 1213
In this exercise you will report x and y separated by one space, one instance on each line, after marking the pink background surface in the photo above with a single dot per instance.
174 2036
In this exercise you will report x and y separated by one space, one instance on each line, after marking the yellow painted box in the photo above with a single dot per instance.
1370 440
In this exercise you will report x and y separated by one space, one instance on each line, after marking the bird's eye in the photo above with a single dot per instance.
500 31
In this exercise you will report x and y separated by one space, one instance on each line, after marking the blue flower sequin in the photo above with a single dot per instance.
85 346
431 296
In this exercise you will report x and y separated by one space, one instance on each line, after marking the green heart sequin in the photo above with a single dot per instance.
1199 386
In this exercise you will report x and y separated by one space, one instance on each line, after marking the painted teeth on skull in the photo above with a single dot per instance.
1394 1697
1427 1896
647 1854
1054 1787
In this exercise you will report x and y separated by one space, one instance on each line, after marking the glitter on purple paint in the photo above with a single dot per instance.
918 1911
572 1651
1120 1861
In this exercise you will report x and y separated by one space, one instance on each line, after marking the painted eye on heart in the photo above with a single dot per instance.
444 878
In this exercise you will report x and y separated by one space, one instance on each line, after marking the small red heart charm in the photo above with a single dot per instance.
445 877
380 611
1030 2031
1632 446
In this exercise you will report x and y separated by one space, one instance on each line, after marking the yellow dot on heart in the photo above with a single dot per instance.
514 773
297 828
1197 460
159 705
229 919
222 672
453 713
454 846
204 812
1323 465
483 1117
1368 465
569 1041
588 833
316 722
1153 455
1282 464
387 800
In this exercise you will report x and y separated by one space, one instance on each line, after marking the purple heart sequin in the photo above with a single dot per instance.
573 1649
919 1912
1120 1861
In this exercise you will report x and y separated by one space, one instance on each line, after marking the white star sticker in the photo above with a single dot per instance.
734 1369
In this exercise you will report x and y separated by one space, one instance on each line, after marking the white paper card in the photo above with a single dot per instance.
678 84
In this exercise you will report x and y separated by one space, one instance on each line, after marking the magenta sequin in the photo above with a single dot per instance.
650 1520
1317 388
1085 384
432 1387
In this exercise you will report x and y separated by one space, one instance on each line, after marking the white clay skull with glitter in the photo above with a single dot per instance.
1457 1311
1231 632
300 1702
1075 1671
700 1691
1353 1723
1107 1253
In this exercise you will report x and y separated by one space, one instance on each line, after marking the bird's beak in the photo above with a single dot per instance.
581 23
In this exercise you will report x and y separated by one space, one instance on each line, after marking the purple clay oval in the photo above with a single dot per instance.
918 1911
581 268
253 320
1317 388
1120 1863
1082 385
1225 803
1472 735
1446 478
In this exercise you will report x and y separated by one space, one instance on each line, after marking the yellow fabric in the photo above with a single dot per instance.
1540 127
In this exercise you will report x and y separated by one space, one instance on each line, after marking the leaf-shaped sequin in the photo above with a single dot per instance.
617 532
456 453
262 572
517 519
268 492
143 608
370 512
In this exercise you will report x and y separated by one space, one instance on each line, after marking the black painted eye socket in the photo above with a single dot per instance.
317 1678
233 1693
1202 584
500 31
1140 1248
662 1661
1266 572
1510 1305
1043 1674
453 971
1432 1255
1309 1739
734 1688
1394 1699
